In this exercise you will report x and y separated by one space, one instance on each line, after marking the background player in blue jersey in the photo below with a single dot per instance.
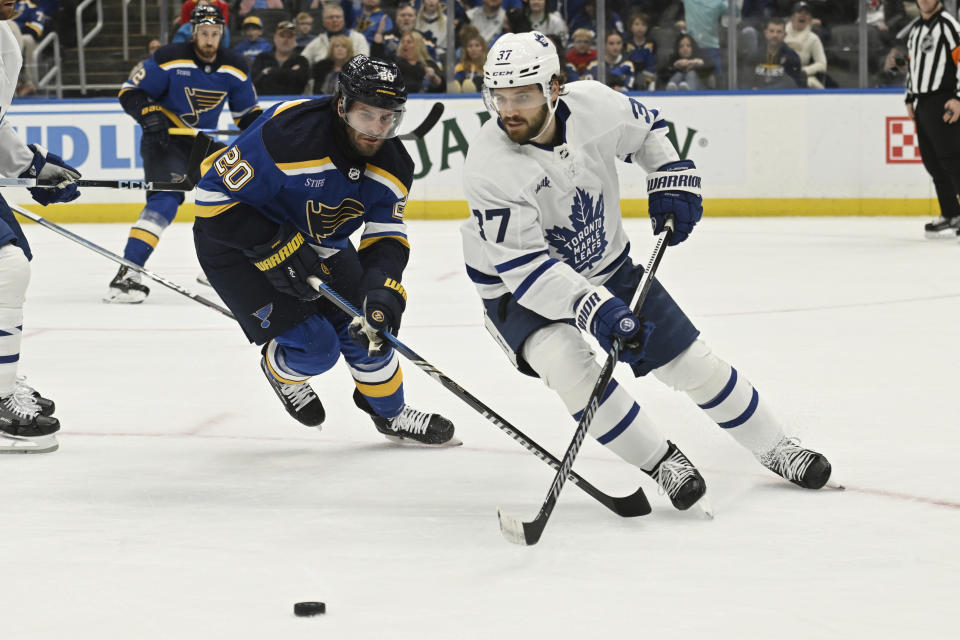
182 85
280 205
26 423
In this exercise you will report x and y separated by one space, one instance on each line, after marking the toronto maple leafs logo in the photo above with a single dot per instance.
582 246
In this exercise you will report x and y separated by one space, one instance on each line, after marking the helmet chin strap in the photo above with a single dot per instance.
551 110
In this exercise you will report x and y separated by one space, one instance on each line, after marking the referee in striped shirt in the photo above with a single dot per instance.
933 101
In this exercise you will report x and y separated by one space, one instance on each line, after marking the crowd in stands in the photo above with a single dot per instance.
297 46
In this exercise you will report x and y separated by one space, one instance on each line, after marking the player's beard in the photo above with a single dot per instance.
531 129
206 53
364 145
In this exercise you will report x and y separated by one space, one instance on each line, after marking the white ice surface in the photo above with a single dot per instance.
185 504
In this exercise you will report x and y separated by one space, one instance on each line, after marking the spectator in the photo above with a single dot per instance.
702 21
420 73
246 6
186 10
333 25
582 53
253 44
468 74
385 43
801 38
887 16
689 69
587 19
152 46
619 70
514 21
281 71
368 22
547 23
326 71
641 52
185 32
432 23
893 71
304 26
29 24
488 18
776 66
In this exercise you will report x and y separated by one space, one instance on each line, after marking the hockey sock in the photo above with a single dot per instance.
566 364
381 383
724 395
14 277
145 233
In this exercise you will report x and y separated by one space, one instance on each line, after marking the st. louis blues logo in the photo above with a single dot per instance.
200 100
323 220
584 244
262 314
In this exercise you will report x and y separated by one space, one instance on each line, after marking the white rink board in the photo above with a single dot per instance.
792 145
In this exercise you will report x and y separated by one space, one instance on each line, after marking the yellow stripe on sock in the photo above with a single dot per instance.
276 375
381 389
144 236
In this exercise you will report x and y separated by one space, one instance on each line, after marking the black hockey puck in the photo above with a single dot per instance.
306 609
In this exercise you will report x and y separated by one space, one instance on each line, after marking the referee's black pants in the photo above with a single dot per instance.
940 150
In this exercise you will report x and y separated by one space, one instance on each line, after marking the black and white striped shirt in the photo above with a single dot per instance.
933 47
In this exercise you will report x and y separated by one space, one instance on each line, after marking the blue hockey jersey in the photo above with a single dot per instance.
291 167
192 92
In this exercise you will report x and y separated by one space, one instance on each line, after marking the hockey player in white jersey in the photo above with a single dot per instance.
26 422
546 249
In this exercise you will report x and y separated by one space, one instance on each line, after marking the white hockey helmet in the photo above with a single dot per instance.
518 60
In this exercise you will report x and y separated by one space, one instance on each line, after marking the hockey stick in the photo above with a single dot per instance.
109 254
528 533
630 506
422 129
199 151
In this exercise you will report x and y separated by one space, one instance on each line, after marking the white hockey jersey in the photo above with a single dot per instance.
546 222
15 155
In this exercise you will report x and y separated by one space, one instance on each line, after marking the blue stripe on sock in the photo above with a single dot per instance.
606 394
621 426
724 393
8 359
751 408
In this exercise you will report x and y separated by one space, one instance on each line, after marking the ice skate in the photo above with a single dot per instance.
299 400
800 466
23 429
412 426
126 288
680 480
47 406
938 227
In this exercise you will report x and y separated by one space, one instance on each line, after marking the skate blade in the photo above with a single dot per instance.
407 442
704 507
833 484
940 235
17 444
124 298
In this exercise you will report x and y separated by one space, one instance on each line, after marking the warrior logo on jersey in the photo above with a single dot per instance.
584 244
323 220
200 100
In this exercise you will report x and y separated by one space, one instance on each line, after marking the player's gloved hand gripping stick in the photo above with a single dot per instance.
635 504
529 533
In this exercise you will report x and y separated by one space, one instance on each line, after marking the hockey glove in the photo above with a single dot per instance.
50 166
674 190
607 317
382 308
156 126
287 261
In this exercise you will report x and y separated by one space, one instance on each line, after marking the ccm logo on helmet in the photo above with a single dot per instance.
502 73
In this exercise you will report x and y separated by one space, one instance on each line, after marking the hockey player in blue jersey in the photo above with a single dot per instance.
26 421
280 205
183 85
548 253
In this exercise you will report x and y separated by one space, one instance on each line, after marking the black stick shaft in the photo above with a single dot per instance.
118 259
635 504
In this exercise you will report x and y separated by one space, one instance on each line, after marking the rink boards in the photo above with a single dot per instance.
771 154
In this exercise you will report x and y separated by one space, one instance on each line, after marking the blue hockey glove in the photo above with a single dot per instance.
287 261
674 190
50 166
607 317
383 307
155 125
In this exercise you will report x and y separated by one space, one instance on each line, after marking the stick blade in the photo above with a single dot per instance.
636 504
518 531
428 123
